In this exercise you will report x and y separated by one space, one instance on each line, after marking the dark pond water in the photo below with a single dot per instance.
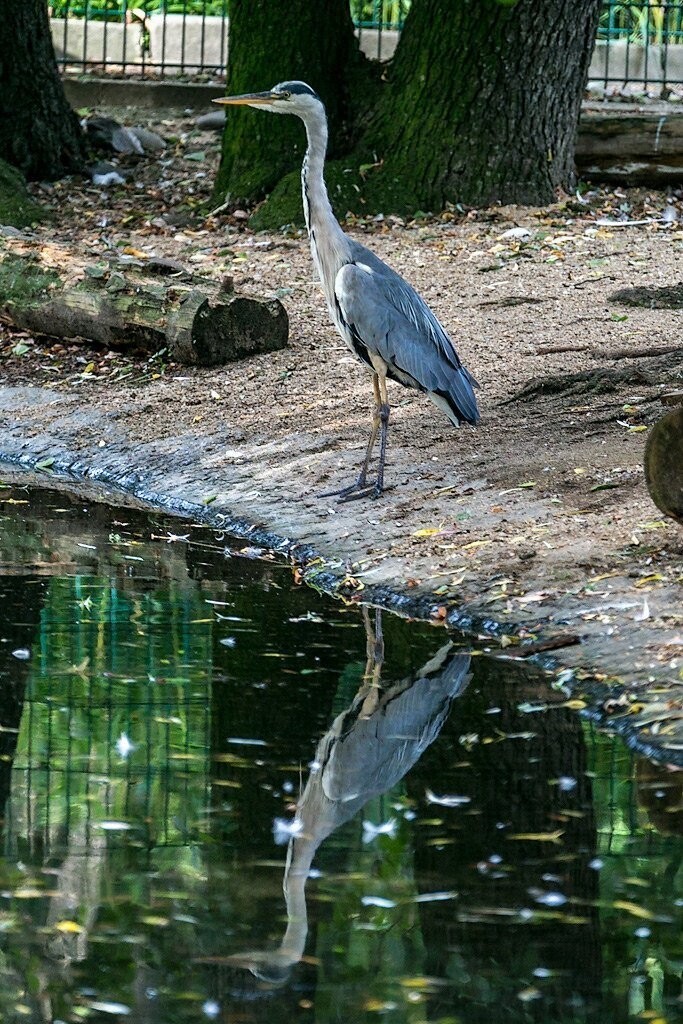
183 730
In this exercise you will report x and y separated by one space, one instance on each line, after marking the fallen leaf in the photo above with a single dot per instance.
69 927
541 837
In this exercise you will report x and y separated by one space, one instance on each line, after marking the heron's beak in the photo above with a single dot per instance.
251 99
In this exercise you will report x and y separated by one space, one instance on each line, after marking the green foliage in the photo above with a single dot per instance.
116 10
387 13
643 21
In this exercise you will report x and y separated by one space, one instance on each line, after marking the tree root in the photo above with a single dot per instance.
659 369
666 297
587 382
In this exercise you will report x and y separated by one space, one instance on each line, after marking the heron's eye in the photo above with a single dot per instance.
285 95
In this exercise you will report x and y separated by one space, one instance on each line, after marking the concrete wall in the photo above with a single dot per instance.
630 64
194 40
75 40
175 41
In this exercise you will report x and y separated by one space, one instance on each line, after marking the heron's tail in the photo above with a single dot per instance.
458 400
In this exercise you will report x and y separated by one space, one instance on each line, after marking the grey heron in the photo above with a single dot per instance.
380 316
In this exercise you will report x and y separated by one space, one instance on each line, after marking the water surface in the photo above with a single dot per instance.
183 729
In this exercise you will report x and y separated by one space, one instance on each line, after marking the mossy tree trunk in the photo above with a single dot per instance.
272 42
482 104
39 132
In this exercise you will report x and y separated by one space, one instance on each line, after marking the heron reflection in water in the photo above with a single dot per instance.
369 747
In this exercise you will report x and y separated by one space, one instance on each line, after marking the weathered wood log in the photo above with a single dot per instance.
127 310
631 147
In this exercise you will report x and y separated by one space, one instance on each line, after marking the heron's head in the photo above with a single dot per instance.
283 98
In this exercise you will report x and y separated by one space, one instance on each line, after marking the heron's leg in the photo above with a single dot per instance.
360 485
384 421
374 490
372 679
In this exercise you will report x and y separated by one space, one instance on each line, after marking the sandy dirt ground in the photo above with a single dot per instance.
535 524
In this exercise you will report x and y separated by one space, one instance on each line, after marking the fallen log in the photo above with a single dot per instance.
631 146
127 308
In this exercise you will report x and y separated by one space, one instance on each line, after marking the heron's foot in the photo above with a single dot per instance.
375 490
361 484
356 491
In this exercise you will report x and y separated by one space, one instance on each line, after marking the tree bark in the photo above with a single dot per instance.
272 42
483 103
129 312
480 105
39 132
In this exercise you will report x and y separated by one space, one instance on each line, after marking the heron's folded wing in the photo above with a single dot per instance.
391 320
376 752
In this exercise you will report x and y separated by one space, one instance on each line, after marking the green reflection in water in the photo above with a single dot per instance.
160 704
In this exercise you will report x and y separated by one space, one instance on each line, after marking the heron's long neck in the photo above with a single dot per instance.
329 244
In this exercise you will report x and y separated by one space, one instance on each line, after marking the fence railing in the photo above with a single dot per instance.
639 46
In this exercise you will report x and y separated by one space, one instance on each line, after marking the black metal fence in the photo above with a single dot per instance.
639 46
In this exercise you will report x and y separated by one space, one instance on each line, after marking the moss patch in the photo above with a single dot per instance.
348 184
355 185
17 208
23 281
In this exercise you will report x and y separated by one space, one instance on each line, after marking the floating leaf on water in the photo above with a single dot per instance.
69 927
371 831
552 899
634 909
45 463
447 800
540 837
529 994
155 921
378 901
435 897
575 704
106 1007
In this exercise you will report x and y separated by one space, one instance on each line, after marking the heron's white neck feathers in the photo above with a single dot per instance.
329 245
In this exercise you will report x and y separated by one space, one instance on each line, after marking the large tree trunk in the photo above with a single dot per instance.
482 104
272 42
39 132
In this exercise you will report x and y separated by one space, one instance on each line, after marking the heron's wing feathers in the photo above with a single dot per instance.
391 320
372 754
